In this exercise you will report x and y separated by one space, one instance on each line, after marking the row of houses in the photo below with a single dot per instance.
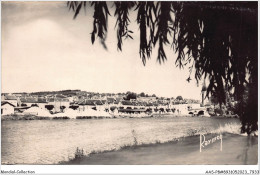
111 105
57 103
21 103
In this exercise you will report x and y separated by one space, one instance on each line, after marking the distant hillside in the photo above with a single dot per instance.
63 92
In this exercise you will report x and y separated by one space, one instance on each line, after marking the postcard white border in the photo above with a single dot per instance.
127 169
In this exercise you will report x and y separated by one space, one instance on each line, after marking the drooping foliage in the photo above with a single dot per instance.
122 15
218 40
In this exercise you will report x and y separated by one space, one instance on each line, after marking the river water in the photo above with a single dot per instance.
52 141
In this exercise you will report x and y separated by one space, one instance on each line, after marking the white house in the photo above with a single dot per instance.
33 101
58 103
11 99
7 108
146 99
99 105
184 108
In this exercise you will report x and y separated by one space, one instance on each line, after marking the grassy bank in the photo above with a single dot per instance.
23 117
34 117
236 150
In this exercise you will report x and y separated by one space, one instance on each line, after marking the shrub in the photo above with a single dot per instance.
134 136
79 153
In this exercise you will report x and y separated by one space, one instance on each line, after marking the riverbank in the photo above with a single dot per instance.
35 117
23 117
236 150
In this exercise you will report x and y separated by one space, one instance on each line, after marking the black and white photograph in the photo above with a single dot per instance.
129 83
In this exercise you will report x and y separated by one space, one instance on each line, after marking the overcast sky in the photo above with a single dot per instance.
44 49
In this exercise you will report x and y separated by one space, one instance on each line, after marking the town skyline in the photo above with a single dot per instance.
55 92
